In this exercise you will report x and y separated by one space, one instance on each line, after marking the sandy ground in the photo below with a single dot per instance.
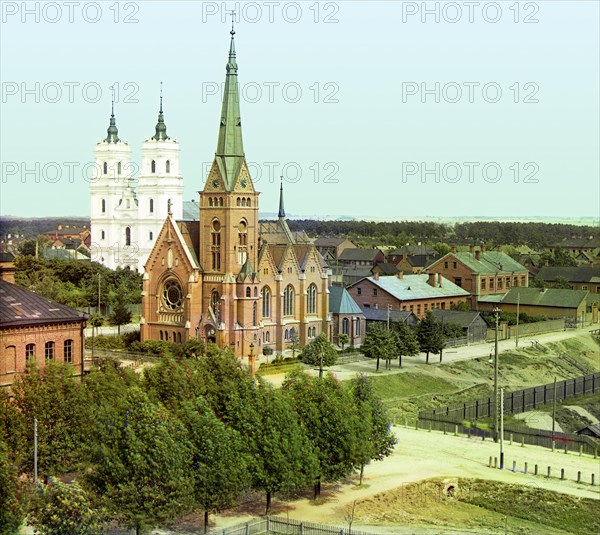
421 454
583 412
539 420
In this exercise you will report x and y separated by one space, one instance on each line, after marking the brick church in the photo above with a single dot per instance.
226 278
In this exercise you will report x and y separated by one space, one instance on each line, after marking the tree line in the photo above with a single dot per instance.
78 284
492 233
190 434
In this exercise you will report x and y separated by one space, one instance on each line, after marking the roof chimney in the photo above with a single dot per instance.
439 279
376 275
477 255
431 279
471 248
400 275
483 248
454 250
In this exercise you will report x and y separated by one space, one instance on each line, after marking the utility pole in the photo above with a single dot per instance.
501 428
35 463
554 409
389 307
99 312
496 312
517 336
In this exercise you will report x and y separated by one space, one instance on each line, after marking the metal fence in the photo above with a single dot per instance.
279 525
463 418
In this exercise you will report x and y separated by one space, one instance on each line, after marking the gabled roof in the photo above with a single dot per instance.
387 268
327 241
572 274
352 254
190 231
545 297
464 318
411 250
19 306
412 287
421 260
246 272
340 301
490 262
380 314
191 211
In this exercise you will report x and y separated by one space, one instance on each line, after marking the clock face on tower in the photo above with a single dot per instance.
243 182
215 182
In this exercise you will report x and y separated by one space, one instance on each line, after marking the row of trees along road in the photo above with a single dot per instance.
190 434
400 339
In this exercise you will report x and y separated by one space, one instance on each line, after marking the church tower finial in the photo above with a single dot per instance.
281 208
113 132
230 149
160 133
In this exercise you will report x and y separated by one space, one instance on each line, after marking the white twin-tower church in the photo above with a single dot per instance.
125 219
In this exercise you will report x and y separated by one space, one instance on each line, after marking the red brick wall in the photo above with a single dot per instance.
12 361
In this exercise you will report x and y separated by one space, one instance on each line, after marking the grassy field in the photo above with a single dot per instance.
405 394
481 506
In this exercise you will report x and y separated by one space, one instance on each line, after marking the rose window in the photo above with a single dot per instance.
172 295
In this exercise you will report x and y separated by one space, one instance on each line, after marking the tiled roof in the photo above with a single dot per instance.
411 250
340 301
547 297
572 274
412 287
19 306
326 241
421 260
490 262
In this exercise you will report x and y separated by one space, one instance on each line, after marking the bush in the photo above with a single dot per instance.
153 347
267 351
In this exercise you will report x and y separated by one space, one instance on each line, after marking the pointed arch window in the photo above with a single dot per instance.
105 168
244 202
266 304
221 201
238 202
210 201
103 206
288 301
216 245
127 236
151 206
168 166
248 203
312 299
153 166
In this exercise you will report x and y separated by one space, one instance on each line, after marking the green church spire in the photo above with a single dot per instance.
230 150
113 133
161 128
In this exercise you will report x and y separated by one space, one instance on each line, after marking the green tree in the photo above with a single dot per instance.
120 314
319 353
219 465
378 343
141 468
330 419
430 336
558 258
56 399
461 305
343 339
12 503
63 509
376 440
562 283
282 458
407 343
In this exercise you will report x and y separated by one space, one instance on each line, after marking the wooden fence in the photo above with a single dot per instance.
463 418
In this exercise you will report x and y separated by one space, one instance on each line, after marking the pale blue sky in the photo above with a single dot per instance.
365 65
